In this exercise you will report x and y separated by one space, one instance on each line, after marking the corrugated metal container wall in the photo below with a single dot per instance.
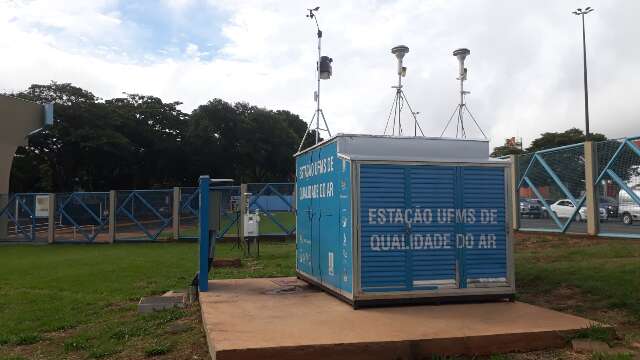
427 227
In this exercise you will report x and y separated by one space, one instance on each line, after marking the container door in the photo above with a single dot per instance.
434 256
384 258
305 236
328 216
485 238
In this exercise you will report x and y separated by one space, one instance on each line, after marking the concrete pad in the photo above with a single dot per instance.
156 303
287 319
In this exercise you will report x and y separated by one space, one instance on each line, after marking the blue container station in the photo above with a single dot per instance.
386 220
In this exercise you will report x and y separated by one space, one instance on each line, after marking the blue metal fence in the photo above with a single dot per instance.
20 219
143 214
275 201
551 177
82 217
189 207
552 188
140 215
229 210
619 184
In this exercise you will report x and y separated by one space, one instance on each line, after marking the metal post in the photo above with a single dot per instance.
515 193
591 188
580 12
243 211
51 230
112 215
586 90
318 91
4 219
177 194
203 272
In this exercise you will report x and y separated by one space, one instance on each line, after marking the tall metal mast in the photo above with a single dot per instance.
323 72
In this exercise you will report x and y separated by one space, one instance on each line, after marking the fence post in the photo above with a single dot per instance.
4 219
514 192
112 215
51 229
203 272
244 202
177 195
591 188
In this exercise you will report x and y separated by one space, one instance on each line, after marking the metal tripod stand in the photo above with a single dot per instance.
459 111
396 110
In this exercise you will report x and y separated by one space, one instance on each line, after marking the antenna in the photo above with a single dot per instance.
462 54
400 98
323 72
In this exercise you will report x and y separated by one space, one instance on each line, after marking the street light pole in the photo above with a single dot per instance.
582 13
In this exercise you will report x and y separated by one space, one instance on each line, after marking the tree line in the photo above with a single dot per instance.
140 142
547 140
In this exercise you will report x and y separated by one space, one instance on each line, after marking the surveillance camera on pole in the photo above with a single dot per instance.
400 98
461 54
324 71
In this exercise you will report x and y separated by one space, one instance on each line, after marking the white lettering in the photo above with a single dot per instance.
375 243
372 213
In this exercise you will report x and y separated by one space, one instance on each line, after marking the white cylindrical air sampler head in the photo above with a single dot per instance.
461 54
400 51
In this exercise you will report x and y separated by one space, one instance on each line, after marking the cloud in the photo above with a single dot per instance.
525 67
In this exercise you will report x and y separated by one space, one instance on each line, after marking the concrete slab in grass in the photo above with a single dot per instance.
167 301
251 319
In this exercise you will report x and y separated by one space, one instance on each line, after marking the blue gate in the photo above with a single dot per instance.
552 176
275 200
83 213
143 214
618 182
229 210
189 208
20 212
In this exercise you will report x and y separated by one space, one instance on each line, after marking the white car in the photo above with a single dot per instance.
565 208
628 209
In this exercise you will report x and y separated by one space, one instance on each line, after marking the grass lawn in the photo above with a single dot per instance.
596 279
79 301
605 270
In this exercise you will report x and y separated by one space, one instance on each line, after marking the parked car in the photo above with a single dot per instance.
628 208
543 211
565 208
529 208
611 205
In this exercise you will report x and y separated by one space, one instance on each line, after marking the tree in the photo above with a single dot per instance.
511 147
244 142
567 164
129 142
572 136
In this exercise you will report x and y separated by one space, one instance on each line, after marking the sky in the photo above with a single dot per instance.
524 70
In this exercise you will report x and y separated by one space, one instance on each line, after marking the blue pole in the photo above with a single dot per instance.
203 274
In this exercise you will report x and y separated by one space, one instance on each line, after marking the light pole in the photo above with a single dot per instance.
582 13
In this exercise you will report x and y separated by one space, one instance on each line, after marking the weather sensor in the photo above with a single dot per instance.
323 72
400 98
461 55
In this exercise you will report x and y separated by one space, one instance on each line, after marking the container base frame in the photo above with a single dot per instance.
419 300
